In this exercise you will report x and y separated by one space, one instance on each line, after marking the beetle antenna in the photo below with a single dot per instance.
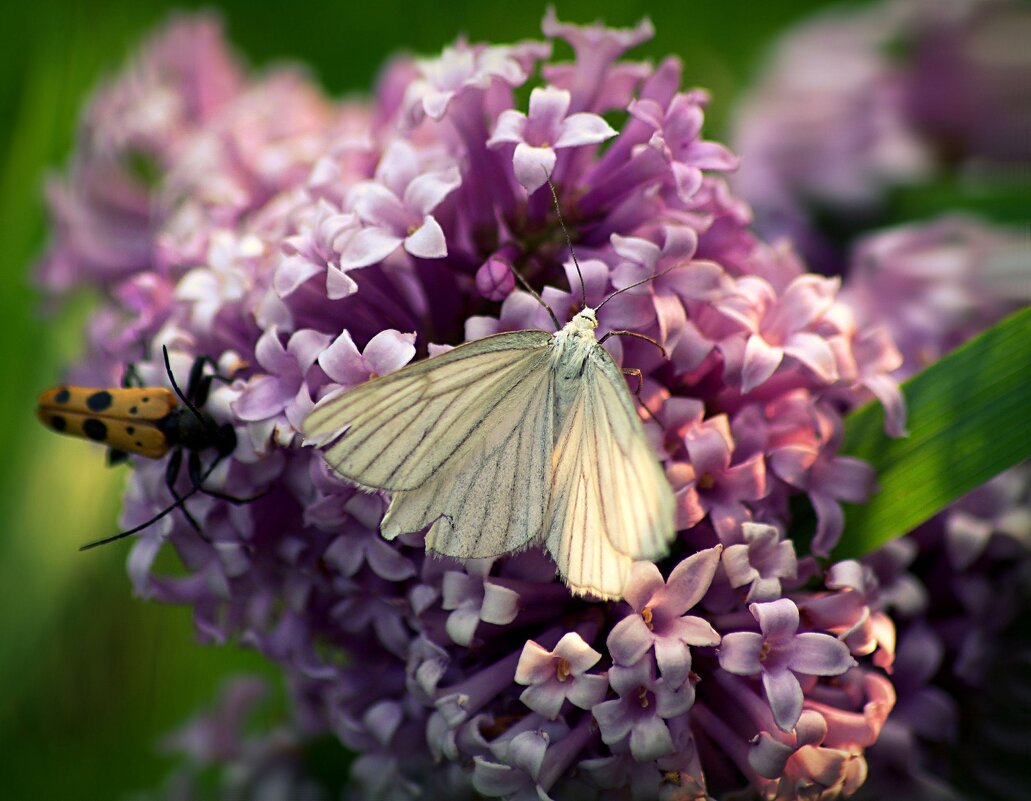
189 404
198 487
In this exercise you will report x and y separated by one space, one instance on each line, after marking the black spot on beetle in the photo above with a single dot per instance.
99 401
133 410
62 396
130 430
58 423
95 429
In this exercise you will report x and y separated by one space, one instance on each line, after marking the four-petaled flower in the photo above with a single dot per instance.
660 618
778 653
560 674
545 130
395 208
641 710
761 561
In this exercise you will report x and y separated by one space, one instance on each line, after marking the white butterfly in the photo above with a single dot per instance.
506 442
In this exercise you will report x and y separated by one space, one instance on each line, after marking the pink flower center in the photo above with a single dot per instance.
706 481
564 670
646 616
642 697
765 651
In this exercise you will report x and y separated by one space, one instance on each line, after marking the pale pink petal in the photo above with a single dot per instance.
291 272
546 698
777 619
342 362
694 631
739 653
533 166
536 664
761 361
588 690
583 129
830 522
368 246
271 354
388 351
820 655
629 640
306 345
339 284
784 694
500 604
639 251
262 399
673 659
377 206
815 353
644 583
509 128
650 739
428 191
689 581
427 241
576 652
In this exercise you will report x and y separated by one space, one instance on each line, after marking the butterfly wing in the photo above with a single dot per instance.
397 431
611 503
492 497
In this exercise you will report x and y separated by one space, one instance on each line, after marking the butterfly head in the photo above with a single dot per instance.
585 320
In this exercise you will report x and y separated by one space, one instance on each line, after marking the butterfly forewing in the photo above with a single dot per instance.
400 429
490 499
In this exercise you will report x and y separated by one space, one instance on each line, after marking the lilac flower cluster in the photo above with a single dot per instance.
851 106
857 102
307 245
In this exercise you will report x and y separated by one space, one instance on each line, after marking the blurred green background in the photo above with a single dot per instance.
91 677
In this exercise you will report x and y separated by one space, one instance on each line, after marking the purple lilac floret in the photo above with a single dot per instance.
307 245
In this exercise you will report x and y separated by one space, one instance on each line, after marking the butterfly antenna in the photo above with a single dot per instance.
146 524
569 242
637 284
523 283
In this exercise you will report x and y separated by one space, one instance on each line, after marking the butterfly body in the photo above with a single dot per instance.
519 439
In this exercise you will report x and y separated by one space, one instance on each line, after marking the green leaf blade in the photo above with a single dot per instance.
969 420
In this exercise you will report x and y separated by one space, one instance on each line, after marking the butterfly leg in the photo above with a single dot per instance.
635 335
637 390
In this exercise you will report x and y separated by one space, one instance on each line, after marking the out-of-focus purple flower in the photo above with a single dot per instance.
660 621
936 284
778 653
